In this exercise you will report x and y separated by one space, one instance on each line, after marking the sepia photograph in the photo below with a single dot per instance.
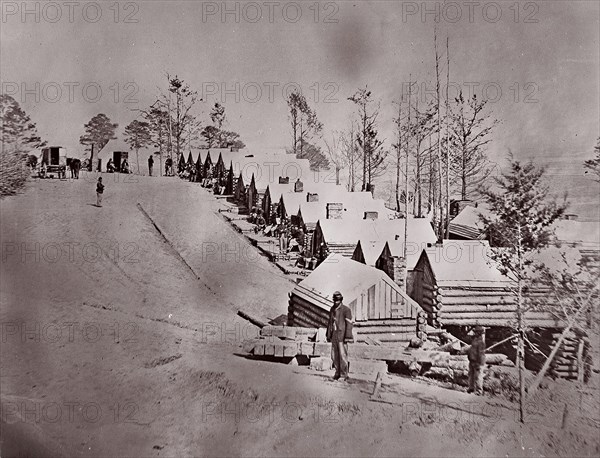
351 228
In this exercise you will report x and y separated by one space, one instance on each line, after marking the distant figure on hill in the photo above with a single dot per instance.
282 232
476 354
99 192
168 166
125 166
75 166
150 164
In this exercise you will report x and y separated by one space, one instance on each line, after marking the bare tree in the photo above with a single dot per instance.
181 118
367 139
470 133
352 155
336 154
305 124
398 148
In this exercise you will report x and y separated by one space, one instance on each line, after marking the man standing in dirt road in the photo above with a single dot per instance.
339 333
99 192
476 354
150 164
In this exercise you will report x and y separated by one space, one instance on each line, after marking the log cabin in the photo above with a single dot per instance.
380 309
459 285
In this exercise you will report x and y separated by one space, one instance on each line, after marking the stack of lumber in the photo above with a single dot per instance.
572 360
456 366
289 341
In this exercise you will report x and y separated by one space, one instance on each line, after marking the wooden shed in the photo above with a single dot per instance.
380 308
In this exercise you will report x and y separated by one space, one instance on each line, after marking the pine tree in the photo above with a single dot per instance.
520 225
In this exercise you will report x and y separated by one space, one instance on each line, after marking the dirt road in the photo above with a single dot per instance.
115 342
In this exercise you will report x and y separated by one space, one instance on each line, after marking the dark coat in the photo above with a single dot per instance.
342 317
476 351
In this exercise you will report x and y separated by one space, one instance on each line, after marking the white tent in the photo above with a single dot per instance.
112 146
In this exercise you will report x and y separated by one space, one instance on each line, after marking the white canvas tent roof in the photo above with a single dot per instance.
465 262
106 153
371 250
585 234
413 251
340 231
351 278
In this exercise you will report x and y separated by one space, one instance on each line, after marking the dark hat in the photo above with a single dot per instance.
478 330
337 295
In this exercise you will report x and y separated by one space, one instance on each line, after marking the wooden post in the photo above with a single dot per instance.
580 368
565 417
377 386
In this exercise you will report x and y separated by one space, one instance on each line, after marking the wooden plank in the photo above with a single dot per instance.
278 349
259 349
477 300
248 346
270 348
291 349
322 349
488 321
473 308
495 315
283 332
254 320
305 348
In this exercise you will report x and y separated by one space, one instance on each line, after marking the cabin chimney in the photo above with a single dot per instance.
371 215
310 197
298 186
284 180
456 206
396 269
335 210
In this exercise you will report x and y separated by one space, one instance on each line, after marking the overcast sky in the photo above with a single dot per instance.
542 56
